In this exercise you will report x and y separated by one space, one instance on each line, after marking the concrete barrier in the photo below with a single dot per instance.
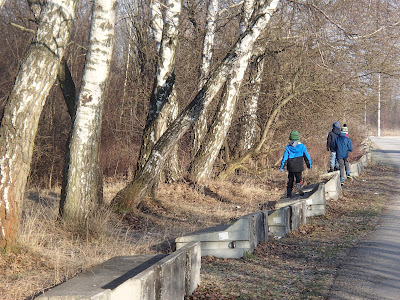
333 187
279 221
136 277
355 169
316 202
297 214
176 275
364 160
230 241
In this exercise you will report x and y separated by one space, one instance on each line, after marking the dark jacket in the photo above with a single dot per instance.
342 146
332 136
293 157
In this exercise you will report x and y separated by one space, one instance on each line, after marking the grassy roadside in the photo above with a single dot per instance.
300 266
303 265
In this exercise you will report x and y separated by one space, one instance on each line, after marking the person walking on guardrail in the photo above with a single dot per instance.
293 157
343 145
332 136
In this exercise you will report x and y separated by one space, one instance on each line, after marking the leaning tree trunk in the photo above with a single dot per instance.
35 78
64 76
202 164
249 130
82 188
200 127
162 101
131 196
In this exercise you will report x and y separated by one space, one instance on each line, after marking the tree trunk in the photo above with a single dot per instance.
82 188
68 88
64 76
202 164
230 167
35 78
162 102
250 131
131 196
157 23
200 127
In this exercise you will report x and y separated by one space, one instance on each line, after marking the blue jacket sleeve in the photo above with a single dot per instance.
307 158
284 158
350 146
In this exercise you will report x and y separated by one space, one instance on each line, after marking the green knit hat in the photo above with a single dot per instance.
294 135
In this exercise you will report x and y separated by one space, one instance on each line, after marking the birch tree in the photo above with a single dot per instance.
35 78
2 3
64 76
202 164
131 196
82 183
200 127
163 102
249 130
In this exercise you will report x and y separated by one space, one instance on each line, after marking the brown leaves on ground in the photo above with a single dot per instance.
303 264
299 266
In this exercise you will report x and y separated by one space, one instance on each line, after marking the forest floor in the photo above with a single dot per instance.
300 266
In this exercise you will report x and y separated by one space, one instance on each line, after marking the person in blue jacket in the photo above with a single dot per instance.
343 146
293 158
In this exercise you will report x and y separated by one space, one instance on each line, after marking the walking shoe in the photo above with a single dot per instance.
341 181
300 189
349 176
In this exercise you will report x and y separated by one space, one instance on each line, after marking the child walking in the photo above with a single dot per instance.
293 158
332 136
343 146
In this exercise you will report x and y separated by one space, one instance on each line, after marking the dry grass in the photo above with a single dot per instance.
49 253
302 265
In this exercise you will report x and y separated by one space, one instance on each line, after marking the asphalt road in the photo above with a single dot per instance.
372 269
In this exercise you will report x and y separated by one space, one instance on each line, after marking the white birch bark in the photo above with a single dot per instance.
35 78
2 3
162 103
250 131
131 196
200 127
157 23
81 183
202 164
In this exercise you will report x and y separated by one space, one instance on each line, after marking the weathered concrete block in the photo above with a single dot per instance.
140 287
101 281
193 266
355 169
171 272
230 241
279 221
296 215
364 160
333 187
316 202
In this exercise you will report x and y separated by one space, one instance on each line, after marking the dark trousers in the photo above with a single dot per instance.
292 176
344 167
